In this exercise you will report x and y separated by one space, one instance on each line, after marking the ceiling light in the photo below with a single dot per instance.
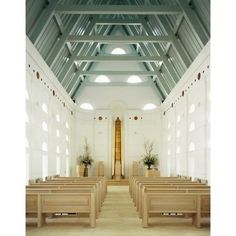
149 106
86 106
134 79
118 51
102 79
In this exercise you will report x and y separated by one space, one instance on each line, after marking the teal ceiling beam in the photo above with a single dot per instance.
160 88
157 72
77 92
42 22
160 91
166 63
62 29
116 21
118 9
108 39
161 79
184 57
155 89
123 58
55 52
148 65
70 63
73 83
193 20
121 84
102 72
178 23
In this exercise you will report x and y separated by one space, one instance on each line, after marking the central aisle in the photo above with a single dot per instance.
118 215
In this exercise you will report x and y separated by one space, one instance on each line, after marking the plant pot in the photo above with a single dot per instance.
149 167
85 171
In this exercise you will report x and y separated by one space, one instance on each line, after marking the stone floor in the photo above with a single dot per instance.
118 217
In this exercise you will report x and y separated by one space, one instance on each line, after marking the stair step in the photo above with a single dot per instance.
118 182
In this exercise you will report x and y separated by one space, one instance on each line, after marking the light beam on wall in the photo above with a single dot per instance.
118 51
149 106
86 106
133 79
102 79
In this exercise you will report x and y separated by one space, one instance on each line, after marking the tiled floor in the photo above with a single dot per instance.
118 217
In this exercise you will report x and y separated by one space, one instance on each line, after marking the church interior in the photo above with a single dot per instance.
117 96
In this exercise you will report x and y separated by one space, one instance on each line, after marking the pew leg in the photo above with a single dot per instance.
145 212
197 220
92 220
145 220
41 219
92 215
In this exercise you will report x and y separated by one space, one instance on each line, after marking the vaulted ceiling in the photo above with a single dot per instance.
161 39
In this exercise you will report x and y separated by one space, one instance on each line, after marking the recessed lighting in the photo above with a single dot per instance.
134 79
118 51
102 79
86 106
149 106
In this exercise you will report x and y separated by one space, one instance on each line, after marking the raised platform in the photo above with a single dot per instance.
117 182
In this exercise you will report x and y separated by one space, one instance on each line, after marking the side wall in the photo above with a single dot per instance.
186 123
49 120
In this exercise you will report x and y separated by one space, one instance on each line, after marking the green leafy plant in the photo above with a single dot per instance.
85 158
149 159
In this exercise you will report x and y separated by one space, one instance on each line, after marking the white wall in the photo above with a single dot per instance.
170 132
95 127
186 124
48 152
99 133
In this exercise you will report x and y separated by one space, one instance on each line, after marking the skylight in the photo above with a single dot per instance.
149 106
134 79
102 79
118 51
86 106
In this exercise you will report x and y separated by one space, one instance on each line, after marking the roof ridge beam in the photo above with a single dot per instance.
118 9
124 83
116 72
115 21
127 58
117 39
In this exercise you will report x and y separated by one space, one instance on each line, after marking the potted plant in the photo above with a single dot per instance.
149 159
85 159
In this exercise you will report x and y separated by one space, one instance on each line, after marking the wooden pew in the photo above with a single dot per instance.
138 183
69 184
133 179
101 181
143 186
177 185
194 203
60 185
43 203
77 186
68 190
174 189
